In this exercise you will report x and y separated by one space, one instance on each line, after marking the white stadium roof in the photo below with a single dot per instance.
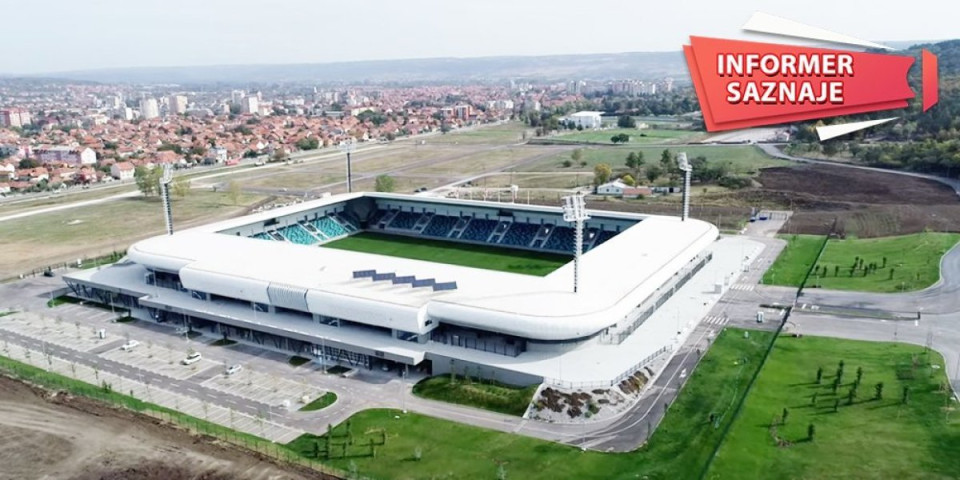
615 277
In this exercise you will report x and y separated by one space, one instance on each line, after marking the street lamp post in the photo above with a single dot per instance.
348 147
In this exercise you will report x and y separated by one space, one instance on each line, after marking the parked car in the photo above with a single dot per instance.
130 345
192 358
233 369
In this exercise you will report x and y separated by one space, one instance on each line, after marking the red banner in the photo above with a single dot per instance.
745 84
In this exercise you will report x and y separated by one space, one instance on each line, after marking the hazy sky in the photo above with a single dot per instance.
57 35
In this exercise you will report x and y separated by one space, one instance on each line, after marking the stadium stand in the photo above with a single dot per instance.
329 227
376 217
561 240
348 221
603 236
478 230
405 220
310 228
440 226
520 234
262 236
297 234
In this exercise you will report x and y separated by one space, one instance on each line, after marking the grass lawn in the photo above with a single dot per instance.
467 255
489 396
794 260
296 361
506 133
743 159
869 439
320 403
636 136
912 262
100 229
679 448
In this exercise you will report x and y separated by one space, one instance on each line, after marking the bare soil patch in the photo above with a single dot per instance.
863 202
50 435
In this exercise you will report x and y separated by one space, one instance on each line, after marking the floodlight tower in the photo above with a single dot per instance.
686 168
165 180
348 146
575 211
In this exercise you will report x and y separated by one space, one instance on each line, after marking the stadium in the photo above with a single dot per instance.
373 280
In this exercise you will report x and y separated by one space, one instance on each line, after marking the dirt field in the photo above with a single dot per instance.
72 438
864 203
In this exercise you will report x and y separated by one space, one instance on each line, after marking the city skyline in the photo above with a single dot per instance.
243 33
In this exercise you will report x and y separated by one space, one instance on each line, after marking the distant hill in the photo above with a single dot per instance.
641 65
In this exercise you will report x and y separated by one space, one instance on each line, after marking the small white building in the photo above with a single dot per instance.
122 171
586 119
618 188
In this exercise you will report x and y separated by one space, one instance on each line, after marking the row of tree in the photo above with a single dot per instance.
148 182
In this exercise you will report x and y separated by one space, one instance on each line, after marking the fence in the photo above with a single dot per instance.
105 394
608 383
86 262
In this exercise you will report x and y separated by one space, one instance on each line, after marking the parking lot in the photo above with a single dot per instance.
60 330
258 423
163 359
270 389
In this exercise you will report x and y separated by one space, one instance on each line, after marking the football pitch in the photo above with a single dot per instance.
453 253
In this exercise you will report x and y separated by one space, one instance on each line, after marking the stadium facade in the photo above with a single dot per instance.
267 279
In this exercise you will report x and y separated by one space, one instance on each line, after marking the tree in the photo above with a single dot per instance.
859 375
311 143
783 418
577 155
384 183
148 179
620 138
626 121
279 155
29 163
601 174
628 180
819 375
653 173
666 160
234 192
878 391
180 186
905 398
635 161
811 430
566 163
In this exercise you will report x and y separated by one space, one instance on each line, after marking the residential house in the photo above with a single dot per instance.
122 171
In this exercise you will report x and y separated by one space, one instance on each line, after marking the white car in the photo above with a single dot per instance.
130 345
233 369
192 358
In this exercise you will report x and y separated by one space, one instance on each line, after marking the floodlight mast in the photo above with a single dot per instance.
686 168
575 211
348 146
165 180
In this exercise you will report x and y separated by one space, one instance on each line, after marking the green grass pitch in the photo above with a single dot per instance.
869 438
453 253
